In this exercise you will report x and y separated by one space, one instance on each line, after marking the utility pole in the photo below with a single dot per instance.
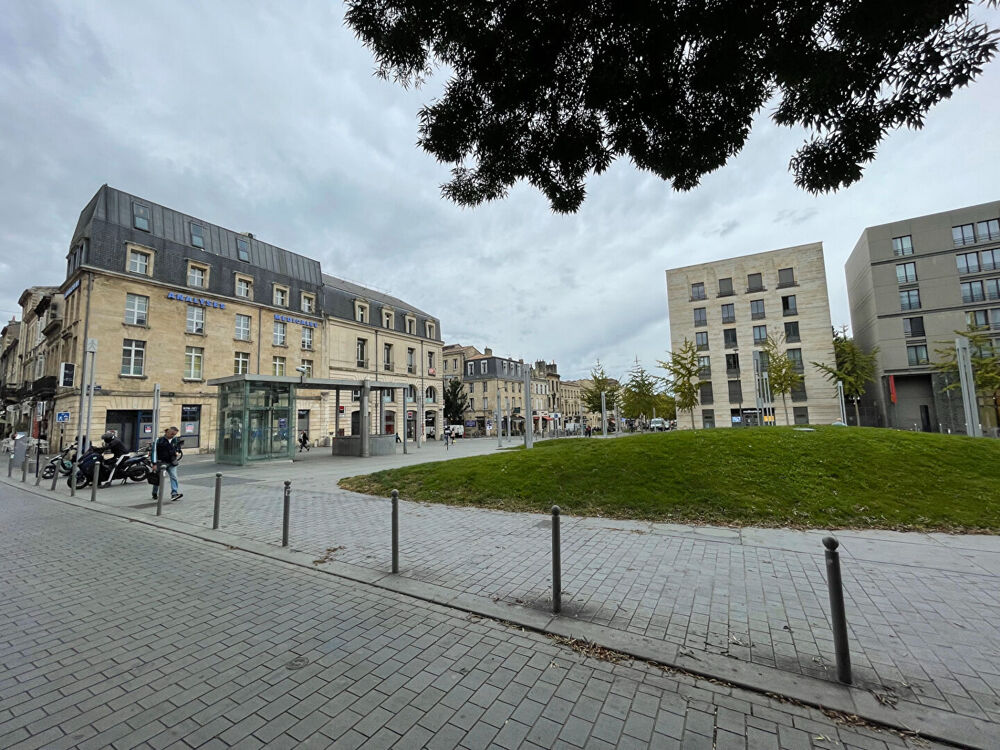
604 415
529 419
840 400
963 358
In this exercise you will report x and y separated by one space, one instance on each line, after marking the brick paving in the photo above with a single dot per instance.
125 636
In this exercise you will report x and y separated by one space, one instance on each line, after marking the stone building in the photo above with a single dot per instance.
729 308
171 299
912 284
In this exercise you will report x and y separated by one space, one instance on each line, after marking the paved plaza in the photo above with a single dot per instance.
748 605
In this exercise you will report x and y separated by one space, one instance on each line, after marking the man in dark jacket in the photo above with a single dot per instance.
166 457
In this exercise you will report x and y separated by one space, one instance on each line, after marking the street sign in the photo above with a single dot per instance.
62 416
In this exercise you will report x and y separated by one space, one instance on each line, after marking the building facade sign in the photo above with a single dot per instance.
289 319
196 300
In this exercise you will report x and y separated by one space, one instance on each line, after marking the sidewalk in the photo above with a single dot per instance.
746 605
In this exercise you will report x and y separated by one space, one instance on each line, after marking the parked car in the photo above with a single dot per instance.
658 425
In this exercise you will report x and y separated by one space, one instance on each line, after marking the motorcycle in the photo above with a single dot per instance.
61 462
134 466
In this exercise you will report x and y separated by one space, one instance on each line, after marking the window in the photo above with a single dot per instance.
705 367
307 365
482 369
281 296
486 403
735 392
504 363
963 235
759 335
307 337
792 331
988 230
411 363
243 249
708 418
993 289
197 235
430 395
362 353
701 340
700 316
902 245
472 403
705 393
411 324
195 319
243 323
193 358
356 394
387 319
277 365
431 329
244 288
411 393
795 356
909 300
729 337
387 357
995 318
241 363
913 327
197 276
906 273
789 305
729 313
142 217
280 333
138 262
991 260
430 362
799 391
361 312
800 414
136 309
133 357
967 262
972 291
786 277
977 319
732 364
470 366
698 290
756 309
755 282
726 287
917 355
308 303
765 361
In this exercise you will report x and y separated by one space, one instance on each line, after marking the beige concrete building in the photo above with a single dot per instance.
170 299
912 284
728 308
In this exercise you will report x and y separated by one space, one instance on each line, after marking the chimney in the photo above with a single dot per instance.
488 352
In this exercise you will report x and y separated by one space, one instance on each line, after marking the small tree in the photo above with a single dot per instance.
853 367
985 358
600 383
783 373
683 377
456 402
639 394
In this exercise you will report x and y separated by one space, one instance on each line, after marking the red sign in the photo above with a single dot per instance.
892 388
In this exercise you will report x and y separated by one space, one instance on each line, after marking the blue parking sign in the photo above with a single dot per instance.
62 416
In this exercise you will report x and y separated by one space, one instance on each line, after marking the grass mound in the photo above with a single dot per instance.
835 477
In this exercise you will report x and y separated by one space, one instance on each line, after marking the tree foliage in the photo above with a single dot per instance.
552 92
853 366
600 382
683 377
985 357
640 395
783 373
456 402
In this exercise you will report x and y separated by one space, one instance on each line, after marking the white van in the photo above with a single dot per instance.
658 425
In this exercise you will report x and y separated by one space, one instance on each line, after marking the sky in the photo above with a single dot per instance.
266 117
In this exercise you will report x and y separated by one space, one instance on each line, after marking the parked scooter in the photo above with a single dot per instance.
61 462
135 466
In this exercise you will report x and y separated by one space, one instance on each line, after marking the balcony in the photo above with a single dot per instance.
53 322
732 372
44 388
757 316
728 318
363 364
729 293
705 373
787 284
387 366
973 297
790 311
794 339
755 289
698 297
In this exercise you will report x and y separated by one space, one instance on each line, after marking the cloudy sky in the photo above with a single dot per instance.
266 117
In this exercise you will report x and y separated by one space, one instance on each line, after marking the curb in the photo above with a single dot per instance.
927 722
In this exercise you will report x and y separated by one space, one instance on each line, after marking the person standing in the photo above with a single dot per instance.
303 441
166 457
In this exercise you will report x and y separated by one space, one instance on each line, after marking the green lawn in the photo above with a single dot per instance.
835 477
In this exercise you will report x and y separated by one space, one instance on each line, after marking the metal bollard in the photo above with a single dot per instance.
162 491
55 476
288 508
97 480
395 531
837 617
38 474
24 468
74 472
556 563
218 500
10 464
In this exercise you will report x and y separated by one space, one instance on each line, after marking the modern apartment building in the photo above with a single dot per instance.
729 308
912 284
173 299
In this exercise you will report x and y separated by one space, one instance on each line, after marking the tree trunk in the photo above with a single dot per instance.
857 414
692 419
785 404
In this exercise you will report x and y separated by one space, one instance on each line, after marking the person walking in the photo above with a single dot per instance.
166 457
303 442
